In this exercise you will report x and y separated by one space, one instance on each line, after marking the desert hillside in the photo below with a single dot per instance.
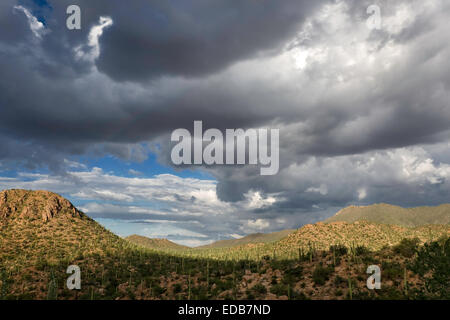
389 214
42 224
321 236
29 205
41 234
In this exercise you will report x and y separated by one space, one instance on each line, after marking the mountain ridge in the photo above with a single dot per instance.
391 214
154 243
251 238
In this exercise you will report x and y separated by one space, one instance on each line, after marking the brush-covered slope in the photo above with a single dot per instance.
41 230
389 214
252 238
321 236
374 236
152 243
36 224
41 234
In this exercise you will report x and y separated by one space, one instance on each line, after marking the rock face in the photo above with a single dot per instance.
45 205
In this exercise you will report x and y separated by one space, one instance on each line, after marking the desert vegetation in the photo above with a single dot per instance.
41 234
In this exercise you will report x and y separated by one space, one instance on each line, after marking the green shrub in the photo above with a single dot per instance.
391 270
339 250
176 288
250 296
433 265
158 290
292 275
295 272
322 274
407 247
279 289
361 250
338 281
259 289
5 281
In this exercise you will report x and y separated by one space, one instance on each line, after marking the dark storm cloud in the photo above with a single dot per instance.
194 38
49 98
61 104
12 27
186 38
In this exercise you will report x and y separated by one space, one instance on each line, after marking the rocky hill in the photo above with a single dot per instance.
43 205
41 232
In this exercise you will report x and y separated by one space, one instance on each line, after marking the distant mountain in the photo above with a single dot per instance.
153 243
395 215
252 238
359 233
377 213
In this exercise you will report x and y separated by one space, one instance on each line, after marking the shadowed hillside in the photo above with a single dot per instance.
389 214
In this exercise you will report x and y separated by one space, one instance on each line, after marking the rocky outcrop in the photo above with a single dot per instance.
45 205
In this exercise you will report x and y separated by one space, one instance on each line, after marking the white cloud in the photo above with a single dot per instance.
93 50
193 242
74 164
255 225
36 26
95 194
256 201
135 172
362 194
164 231
323 190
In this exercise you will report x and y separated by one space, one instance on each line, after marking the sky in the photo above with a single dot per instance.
363 111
